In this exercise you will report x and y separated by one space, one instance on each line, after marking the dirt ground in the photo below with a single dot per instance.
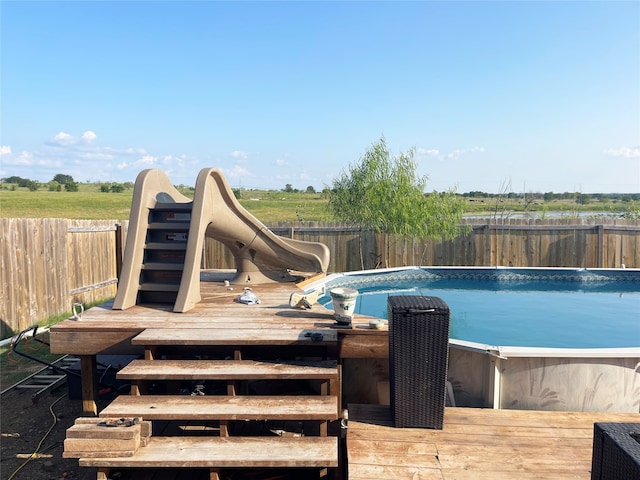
28 427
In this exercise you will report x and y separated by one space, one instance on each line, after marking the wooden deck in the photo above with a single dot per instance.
475 444
102 328
220 321
280 366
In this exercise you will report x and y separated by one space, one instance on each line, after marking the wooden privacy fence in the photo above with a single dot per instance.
516 243
50 264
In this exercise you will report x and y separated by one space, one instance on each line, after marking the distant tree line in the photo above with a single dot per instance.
68 184
60 182
57 184
288 188
579 197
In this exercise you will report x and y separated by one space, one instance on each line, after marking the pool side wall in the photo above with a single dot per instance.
482 380
589 380
554 382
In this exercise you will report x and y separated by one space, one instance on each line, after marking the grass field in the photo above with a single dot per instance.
91 204
266 205
14 367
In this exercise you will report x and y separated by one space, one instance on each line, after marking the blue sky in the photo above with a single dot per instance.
544 96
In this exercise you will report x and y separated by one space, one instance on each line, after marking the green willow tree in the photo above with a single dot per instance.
384 193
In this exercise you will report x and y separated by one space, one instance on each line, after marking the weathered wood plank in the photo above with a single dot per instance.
203 452
476 444
405 454
227 370
232 336
210 407
493 474
365 346
78 447
91 430
90 341
379 472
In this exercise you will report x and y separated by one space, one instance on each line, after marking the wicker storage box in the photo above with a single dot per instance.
616 451
418 359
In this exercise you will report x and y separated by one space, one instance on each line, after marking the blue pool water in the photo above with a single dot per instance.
536 311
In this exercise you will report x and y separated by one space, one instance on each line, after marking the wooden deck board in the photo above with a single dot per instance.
176 452
474 444
227 370
246 336
216 407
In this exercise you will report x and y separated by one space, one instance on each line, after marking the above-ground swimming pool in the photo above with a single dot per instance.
529 307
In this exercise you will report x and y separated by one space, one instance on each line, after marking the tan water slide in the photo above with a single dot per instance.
165 241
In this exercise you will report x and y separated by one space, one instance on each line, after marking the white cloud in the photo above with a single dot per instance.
455 154
135 151
281 163
173 164
86 160
240 155
147 160
63 138
102 156
238 172
428 152
89 136
624 152
24 158
452 155
170 160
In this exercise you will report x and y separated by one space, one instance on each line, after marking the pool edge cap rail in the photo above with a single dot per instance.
504 352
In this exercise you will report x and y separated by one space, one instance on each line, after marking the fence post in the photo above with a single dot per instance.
600 258
487 245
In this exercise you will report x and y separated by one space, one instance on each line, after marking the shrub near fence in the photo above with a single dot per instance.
50 264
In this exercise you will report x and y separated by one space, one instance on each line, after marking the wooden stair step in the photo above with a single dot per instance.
228 370
244 336
219 407
227 452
